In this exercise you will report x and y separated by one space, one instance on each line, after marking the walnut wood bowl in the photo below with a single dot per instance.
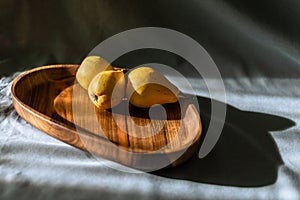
50 99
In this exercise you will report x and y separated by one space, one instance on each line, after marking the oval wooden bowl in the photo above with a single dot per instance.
50 99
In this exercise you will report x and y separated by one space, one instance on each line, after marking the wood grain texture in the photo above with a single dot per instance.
147 139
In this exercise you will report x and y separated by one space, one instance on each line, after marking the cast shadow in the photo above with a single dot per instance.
245 155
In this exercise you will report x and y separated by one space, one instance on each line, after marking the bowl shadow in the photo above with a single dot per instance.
245 155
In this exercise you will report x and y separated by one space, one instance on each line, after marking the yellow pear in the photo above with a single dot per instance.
102 86
147 87
89 67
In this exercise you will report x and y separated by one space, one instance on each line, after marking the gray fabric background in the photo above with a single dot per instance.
255 45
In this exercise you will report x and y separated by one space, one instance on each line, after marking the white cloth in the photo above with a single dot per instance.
34 165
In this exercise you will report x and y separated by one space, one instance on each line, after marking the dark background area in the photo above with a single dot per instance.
244 38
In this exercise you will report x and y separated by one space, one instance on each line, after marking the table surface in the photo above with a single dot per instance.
256 156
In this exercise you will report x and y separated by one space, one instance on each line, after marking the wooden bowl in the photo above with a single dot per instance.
50 99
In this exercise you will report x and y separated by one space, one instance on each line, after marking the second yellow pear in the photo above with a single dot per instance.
107 88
